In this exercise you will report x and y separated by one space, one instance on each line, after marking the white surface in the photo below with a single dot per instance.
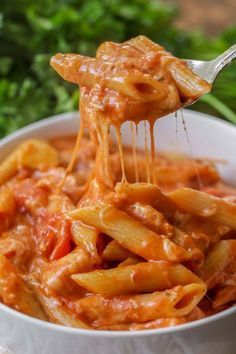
5 350
215 335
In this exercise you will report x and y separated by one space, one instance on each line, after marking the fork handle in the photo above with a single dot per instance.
221 61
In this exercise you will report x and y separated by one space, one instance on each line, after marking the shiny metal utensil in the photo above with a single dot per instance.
208 70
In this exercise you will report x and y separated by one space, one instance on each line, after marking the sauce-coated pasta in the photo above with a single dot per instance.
97 235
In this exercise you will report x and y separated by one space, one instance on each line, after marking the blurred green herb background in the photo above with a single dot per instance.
31 31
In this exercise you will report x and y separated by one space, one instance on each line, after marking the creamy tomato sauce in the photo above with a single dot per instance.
98 235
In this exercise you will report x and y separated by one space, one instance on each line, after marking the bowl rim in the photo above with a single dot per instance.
117 334
62 116
105 333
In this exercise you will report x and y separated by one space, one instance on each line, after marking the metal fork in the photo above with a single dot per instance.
208 70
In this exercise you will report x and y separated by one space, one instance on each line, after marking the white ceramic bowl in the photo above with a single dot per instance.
20 334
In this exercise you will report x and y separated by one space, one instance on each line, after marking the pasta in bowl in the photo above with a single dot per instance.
96 234
214 332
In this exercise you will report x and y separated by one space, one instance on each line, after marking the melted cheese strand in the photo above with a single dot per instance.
153 153
137 144
148 172
105 127
191 151
134 135
74 153
119 143
177 143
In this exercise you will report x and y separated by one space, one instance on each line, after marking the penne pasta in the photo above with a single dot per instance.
37 154
85 71
205 205
8 167
145 44
56 276
7 202
7 208
218 258
186 241
184 172
151 218
56 311
14 293
188 83
129 261
176 302
108 51
86 237
34 153
142 277
203 232
155 324
145 193
224 296
129 233
139 86
71 68
115 252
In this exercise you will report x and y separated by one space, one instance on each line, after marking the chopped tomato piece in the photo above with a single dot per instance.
52 235
62 246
